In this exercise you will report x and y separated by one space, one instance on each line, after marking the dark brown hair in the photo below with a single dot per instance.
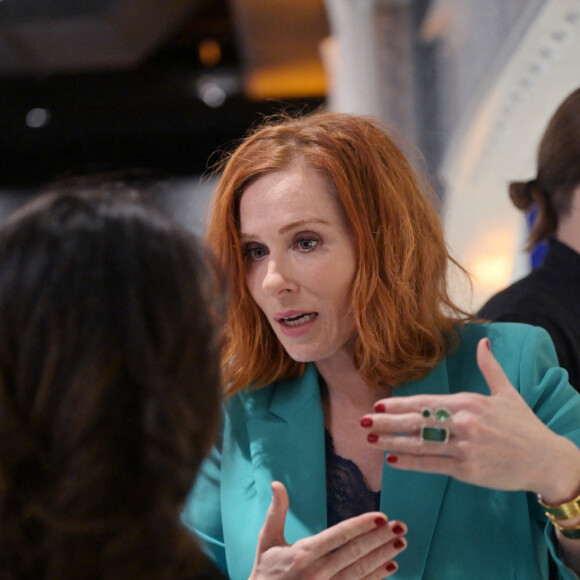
109 387
404 316
558 172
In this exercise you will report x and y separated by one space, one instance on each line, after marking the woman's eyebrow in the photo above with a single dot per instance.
301 222
244 236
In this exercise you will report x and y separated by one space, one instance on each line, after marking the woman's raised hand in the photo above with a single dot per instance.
362 547
494 441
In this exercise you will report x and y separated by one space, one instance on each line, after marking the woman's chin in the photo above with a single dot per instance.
302 356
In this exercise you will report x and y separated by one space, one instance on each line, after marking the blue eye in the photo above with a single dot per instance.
307 244
254 252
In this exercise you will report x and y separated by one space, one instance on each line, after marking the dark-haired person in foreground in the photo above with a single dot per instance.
109 388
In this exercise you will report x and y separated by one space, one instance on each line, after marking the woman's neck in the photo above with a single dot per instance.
346 398
344 385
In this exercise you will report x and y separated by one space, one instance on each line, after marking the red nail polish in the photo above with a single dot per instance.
372 437
398 530
390 567
392 458
366 422
380 522
380 408
398 544
488 344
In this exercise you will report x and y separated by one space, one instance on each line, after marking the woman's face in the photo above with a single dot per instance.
300 262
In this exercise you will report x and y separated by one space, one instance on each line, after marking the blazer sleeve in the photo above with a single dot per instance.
544 385
202 511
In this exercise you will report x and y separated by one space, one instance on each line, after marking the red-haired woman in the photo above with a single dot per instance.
359 392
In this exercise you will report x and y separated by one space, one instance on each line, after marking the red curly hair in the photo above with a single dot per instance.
404 316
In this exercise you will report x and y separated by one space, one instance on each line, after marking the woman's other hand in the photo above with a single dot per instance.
494 441
362 547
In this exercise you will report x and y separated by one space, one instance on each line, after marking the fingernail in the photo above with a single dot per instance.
372 437
366 422
380 408
488 344
398 530
398 544
390 567
380 522
392 458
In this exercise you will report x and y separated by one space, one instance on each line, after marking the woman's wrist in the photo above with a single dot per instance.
566 510
565 516
561 493
561 486
569 531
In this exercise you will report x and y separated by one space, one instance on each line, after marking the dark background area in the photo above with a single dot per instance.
145 109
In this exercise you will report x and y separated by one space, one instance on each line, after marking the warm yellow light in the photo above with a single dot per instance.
294 80
491 262
493 270
210 52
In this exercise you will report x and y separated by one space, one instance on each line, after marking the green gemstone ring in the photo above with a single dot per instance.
442 414
434 434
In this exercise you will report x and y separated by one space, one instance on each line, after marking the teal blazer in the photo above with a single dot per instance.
456 531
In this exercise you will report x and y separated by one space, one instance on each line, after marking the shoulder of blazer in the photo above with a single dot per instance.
281 398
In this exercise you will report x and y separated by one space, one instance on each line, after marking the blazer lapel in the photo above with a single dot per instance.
286 436
412 497
286 432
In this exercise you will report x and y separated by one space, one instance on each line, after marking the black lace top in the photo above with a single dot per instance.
346 492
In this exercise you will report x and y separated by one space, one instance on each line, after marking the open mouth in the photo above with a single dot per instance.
299 319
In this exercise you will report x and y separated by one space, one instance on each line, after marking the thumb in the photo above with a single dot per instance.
493 374
272 532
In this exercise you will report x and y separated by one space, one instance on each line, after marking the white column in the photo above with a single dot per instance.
350 58
370 61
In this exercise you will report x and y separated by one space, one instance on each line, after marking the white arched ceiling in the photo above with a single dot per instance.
498 144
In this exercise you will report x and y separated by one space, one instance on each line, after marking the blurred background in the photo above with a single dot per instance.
155 88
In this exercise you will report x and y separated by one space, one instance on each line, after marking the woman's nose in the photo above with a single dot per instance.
277 279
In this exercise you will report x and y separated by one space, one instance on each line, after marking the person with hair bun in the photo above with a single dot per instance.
109 388
372 428
549 295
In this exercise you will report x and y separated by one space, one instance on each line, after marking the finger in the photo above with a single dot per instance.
418 403
409 423
272 532
441 464
492 372
414 445
369 554
385 570
390 568
340 535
